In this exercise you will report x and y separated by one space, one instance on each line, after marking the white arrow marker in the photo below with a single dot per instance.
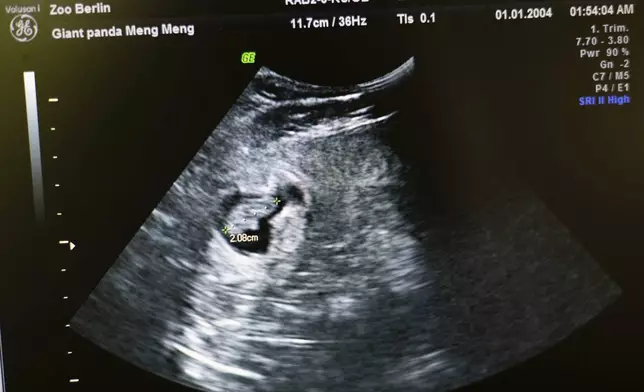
71 244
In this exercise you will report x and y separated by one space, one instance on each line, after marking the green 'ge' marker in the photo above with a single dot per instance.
248 57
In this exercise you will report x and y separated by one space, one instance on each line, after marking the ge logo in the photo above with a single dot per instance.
23 28
248 58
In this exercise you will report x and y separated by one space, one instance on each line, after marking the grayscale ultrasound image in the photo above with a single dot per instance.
293 255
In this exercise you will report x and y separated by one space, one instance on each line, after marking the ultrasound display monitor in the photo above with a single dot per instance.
320 196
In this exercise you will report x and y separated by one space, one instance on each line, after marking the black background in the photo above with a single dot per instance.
133 111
